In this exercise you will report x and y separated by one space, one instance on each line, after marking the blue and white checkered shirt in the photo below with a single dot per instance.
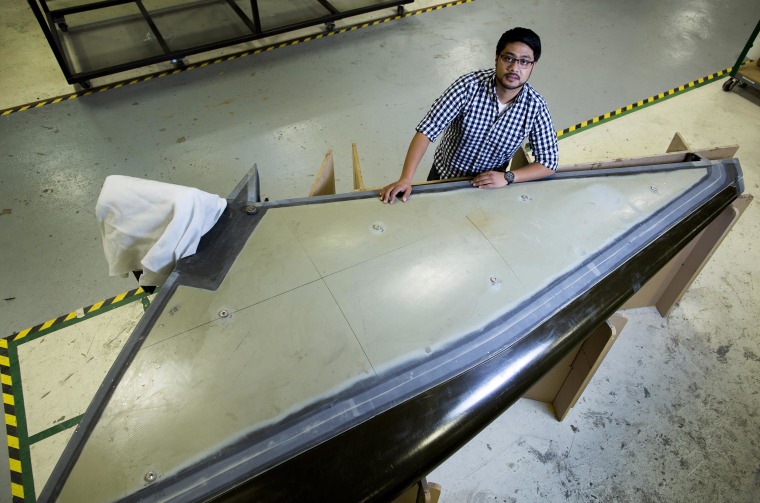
476 137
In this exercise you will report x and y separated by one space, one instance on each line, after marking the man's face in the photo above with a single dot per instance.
512 75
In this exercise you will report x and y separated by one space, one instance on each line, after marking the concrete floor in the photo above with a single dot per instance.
674 412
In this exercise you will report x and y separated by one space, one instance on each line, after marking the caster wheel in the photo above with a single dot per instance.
729 84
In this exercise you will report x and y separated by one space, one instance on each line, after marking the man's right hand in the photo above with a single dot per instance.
403 187
400 188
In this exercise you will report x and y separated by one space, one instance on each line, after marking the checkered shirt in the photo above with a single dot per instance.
476 137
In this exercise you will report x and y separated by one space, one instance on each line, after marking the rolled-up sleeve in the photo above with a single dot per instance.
543 140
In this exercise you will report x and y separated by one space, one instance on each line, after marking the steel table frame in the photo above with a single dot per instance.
54 25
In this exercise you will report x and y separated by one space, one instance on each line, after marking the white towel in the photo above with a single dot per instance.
148 225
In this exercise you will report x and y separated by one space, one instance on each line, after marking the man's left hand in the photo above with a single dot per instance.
489 180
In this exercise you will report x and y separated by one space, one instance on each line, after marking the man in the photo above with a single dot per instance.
486 116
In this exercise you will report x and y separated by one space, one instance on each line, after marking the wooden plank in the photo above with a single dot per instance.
705 245
724 152
717 153
324 184
589 357
626 163
546 388
653 289
672 281
358 179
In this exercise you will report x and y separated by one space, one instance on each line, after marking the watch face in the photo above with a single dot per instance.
509 177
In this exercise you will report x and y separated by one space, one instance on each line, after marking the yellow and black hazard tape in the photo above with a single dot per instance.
76 315
237 55
11 424
15 424
643 103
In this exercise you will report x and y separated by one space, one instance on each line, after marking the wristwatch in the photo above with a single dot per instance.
509 177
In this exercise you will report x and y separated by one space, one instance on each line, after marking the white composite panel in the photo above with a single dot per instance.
325 295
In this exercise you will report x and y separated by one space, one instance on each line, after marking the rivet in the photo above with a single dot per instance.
653 188
150 477
223 313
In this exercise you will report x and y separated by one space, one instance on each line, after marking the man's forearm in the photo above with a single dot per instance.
532 171
417 149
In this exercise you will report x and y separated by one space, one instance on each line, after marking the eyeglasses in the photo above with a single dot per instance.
521 63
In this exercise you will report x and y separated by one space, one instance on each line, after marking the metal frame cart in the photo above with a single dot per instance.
745 74
93 39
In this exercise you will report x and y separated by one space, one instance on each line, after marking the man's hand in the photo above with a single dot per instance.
389 192
489 180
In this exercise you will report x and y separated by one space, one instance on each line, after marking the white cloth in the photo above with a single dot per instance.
148 225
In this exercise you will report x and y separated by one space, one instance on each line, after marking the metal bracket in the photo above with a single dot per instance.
252 190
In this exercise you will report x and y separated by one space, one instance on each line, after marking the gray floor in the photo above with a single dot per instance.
282 110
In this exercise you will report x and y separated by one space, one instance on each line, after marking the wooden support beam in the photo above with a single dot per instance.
358 179
705 245
712 154
324 184
586 362
676 152
672 281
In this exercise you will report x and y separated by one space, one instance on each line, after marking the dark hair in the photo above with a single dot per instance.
524 35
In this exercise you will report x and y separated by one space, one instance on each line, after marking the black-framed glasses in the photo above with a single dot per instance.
521 63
